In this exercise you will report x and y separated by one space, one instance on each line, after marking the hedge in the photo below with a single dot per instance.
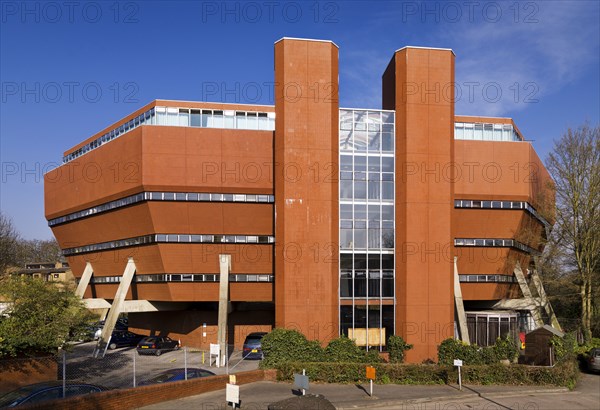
470 354
283 346
564 374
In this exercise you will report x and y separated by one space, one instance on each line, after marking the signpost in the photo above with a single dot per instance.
458 363
371 376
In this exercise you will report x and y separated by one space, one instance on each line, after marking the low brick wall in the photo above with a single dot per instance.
18 372
145 395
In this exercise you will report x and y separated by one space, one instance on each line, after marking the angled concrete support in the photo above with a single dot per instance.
85 280
460 307
224 269
116 308
130 306
544 302
535 310
517 304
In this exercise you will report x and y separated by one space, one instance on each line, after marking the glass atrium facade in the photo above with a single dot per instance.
367 230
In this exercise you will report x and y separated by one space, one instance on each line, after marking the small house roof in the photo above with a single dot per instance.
548 328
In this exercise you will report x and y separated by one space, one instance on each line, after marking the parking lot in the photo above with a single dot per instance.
118 368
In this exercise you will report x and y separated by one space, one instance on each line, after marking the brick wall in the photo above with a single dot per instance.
15 373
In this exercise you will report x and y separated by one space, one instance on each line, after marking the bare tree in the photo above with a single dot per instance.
9 244
37 250
575 167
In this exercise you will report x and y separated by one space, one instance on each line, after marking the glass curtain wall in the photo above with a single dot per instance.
367 226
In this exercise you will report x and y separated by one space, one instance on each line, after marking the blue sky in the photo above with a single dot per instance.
68 69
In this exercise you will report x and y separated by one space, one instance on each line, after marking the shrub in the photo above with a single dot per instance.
506 349
372 356
344 350
595 342
396 347
564 347
451 349
283 345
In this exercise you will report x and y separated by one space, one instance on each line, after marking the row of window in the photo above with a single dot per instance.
184 117
209 118
488 278
370 324
362 261
485 132
371 283
185 277
366 238
462 203
161 196
499 243
170 238
366 212
484 329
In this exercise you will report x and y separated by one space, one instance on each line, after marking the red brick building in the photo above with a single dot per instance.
338 220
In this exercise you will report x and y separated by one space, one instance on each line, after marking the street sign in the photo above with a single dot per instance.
371 372
216 352
458 363
301 382
371 376
232 394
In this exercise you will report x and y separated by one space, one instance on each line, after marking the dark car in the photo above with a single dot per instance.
39 392
156 345
593 360
177 374
124 338
252 346
95 330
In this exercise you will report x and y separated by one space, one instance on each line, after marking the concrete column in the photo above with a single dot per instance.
460 307
224 269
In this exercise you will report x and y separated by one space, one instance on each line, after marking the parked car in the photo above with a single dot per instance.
252 346
39 392
593 360
124 338
177 374
96 328
156 345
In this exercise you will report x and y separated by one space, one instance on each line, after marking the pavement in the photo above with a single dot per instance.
438 397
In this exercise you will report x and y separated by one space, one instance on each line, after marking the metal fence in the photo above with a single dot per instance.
125 368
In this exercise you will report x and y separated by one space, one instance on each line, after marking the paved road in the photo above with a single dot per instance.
116 369
258 396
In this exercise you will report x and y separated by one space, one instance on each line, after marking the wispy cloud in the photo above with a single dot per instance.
533 50
529 60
